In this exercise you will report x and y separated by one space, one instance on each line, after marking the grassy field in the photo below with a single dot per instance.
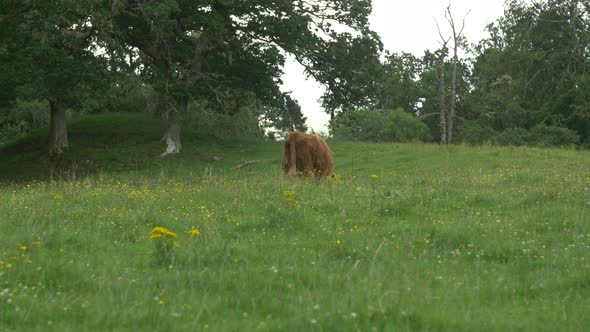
408 237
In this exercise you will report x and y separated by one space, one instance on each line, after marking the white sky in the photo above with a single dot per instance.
404 25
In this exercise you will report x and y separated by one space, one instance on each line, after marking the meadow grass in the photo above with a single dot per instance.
407 237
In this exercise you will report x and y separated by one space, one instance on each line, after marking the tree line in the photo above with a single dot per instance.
218 63
221 58
527 83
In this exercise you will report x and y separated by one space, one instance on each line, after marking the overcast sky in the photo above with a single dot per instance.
407 26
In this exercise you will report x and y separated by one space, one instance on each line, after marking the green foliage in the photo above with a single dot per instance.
349 67
543 135
443 239
474 132
401 87
513 136
290 117
243 124
201 50
89 57
45 57
404 127
532 70
540 135
21 118
373 126
128 94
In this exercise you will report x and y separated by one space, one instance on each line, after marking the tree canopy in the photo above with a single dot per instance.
213 51
526 83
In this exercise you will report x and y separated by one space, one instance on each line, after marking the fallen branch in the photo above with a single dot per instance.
245 163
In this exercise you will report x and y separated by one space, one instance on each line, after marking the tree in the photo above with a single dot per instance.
190 49
376 126
442 96
447 116
46 53
533 69
288 117
434 91
399 87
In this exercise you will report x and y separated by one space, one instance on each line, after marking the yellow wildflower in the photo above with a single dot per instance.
374 177
159 232
38 244
56 196
194 232
290 198
23 247
9 266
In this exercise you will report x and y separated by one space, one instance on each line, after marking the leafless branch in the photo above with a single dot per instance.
444 41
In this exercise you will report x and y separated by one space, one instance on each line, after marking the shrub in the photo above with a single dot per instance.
374 126
540 135
472 132
21 118
403 127
208 123
543 135
513 136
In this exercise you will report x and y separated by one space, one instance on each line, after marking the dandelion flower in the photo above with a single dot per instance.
374 177
194 232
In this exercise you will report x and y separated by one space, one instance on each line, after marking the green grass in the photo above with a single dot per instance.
445 239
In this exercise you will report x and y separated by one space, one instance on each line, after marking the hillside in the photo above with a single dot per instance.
117 143
408 237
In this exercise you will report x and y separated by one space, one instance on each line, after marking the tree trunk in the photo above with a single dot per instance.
453 98
172 135
441 97
58 134
172 138
332 123
573 17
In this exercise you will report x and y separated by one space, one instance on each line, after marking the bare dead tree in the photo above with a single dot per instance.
447 116
574 12
440 75
457 38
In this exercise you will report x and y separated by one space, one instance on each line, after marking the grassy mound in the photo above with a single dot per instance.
111 143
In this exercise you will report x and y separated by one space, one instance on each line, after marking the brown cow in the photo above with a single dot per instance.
307 154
